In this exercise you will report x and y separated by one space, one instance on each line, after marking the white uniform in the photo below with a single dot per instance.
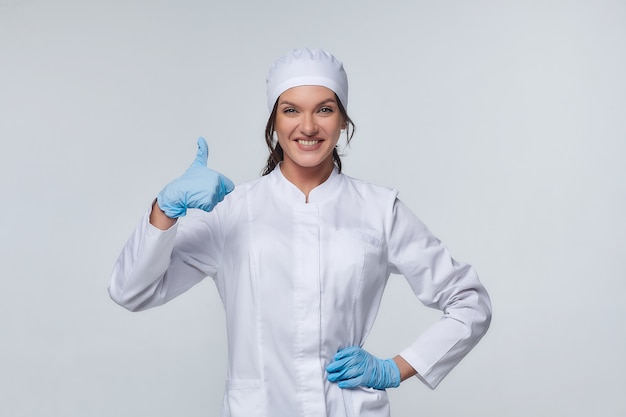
299 282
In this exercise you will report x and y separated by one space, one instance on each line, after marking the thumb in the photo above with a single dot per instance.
202 155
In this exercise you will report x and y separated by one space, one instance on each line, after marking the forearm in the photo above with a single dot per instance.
442 346
141 266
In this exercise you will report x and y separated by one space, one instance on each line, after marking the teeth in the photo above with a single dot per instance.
307 142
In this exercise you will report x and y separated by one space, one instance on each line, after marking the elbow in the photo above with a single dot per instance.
474 311
122 299
485 323
136 300
483 314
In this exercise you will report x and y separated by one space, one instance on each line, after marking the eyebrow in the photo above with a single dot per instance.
328 100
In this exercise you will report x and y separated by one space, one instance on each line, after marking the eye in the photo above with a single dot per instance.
289 110
326 109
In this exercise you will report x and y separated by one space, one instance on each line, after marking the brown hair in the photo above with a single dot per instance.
276 151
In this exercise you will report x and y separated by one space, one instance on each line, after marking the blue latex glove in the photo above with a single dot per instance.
355 367
199 187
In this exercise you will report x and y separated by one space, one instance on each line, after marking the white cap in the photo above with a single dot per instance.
307 67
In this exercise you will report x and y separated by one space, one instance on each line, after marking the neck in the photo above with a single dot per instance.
306 178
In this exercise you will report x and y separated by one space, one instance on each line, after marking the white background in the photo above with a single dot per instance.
501 123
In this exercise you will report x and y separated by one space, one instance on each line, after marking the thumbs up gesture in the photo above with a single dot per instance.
199 187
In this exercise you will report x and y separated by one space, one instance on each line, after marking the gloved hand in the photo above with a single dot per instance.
199 187
354 367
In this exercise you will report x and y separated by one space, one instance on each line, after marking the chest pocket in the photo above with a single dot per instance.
352 263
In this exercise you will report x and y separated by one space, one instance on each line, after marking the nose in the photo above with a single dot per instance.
308 127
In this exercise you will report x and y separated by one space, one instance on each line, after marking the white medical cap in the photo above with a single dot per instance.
307 67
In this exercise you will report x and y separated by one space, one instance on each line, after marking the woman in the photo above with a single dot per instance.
300 258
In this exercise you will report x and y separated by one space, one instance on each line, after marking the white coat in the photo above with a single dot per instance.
299 281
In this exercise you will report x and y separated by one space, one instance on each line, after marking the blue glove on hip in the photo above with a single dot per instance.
199 187
353 367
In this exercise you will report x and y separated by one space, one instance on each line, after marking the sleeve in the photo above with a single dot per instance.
156 265
439 282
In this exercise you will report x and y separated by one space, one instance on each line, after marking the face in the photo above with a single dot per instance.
308 125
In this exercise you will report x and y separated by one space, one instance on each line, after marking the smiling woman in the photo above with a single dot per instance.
308 125
306 69
301 257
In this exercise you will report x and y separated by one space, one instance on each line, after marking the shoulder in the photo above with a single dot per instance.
245 192
369 190
243 189
247 186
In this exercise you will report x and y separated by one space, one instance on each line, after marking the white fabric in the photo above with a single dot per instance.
307 67
301 281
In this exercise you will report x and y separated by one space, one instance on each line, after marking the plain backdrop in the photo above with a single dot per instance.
501 123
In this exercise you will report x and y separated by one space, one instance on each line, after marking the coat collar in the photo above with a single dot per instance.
319 195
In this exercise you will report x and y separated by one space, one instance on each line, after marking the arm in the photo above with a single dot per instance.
164 257
439 282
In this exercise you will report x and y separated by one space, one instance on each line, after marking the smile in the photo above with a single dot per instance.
307 142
